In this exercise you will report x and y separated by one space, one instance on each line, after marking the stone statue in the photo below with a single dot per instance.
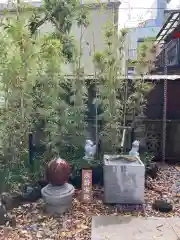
90 149
135 149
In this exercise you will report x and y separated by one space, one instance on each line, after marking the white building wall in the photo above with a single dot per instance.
93 35
101 13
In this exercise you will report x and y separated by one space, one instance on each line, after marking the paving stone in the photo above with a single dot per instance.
135 228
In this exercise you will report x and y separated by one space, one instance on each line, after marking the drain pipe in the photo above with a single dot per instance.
123 138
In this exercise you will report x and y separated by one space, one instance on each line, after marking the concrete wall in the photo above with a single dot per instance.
92 36
160 6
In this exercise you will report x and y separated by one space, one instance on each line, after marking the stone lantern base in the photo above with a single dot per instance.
58 199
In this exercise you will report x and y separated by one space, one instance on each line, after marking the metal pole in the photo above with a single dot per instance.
165 106
126 82
96 104
31 150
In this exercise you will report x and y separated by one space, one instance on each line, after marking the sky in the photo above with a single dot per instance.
133 12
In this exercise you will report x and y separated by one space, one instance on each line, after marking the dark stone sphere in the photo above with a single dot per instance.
162 206
58 171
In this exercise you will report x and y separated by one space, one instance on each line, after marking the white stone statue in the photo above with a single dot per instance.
135 149
90 149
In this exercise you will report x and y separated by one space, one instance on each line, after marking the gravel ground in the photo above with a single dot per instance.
76 225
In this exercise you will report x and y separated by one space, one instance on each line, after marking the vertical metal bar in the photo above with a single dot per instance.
30 149
164 106
126 42
96 104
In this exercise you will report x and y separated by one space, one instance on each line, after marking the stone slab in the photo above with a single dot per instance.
123 181
177 184
135 228
178 168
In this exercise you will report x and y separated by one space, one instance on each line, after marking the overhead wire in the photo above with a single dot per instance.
143 8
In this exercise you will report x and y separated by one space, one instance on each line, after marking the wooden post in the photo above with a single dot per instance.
86 185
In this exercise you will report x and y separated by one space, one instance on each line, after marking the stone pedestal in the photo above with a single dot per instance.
58 199
123 180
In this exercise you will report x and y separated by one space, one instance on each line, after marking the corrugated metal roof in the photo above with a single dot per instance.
158 77
169 26
39 3
145 77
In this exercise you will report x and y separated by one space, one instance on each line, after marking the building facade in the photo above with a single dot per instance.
93 35
148 28
169 38
163 102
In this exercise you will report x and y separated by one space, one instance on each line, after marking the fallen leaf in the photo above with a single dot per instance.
82 226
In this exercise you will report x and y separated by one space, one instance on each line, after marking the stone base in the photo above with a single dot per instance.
58 199
54 210
123 181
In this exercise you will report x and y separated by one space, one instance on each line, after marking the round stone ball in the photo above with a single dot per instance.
58 171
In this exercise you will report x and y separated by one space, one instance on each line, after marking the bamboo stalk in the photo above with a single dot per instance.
96 110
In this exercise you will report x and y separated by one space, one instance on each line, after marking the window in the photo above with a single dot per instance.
140 40
130 68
